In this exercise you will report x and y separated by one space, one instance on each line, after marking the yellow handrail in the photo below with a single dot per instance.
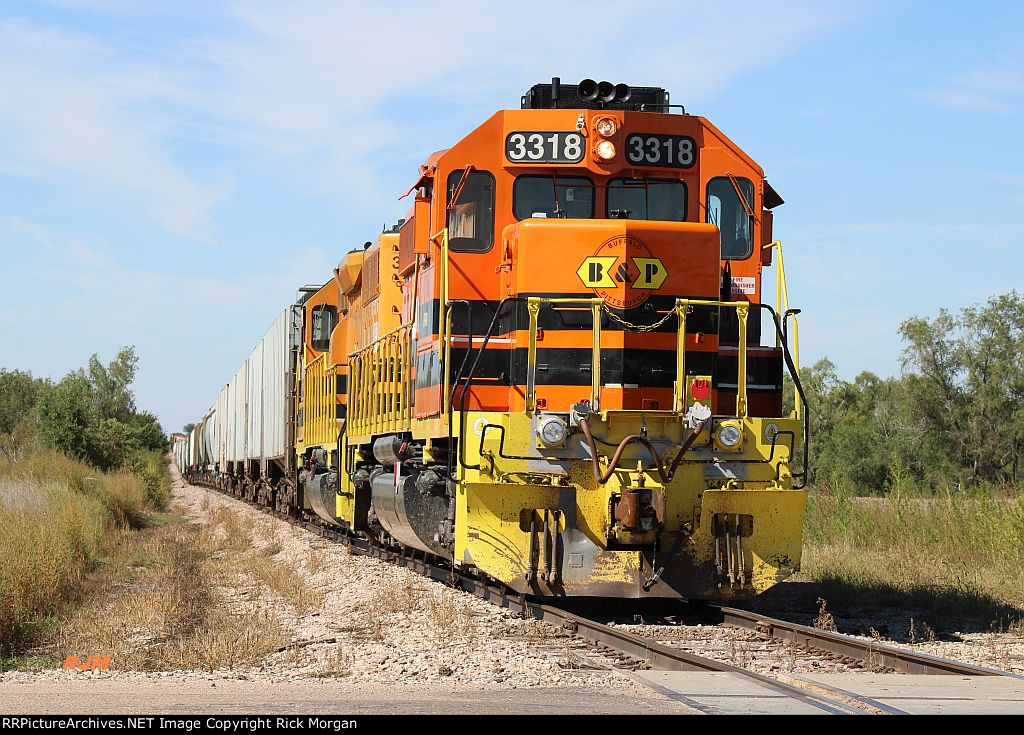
781 307
320 402
533 308
679 390
533 304
381 391
595 355
742 308
445 336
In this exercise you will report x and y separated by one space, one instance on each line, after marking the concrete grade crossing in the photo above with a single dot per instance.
724 693
672 692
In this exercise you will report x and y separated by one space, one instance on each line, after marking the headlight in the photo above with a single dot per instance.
552 430
729 435
605 150
606 126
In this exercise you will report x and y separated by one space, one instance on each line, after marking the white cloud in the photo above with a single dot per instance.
997 88
75 112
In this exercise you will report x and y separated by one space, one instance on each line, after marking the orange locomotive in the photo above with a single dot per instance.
551 370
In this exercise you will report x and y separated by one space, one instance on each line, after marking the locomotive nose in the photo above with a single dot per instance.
628 264
620 278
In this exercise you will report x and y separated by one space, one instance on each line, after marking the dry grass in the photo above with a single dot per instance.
450 619
949 555
536 631
59 520
393 596
87 566
338 663
738 655
825 620
235 538
227 532
49 539
175 615
203 597
284 580
273 548
317 560
269 534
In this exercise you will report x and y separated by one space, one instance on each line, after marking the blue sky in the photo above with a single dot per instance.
170 172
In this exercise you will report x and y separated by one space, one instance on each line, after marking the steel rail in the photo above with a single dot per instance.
907 662
666 658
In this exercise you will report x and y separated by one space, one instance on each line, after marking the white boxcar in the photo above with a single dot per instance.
220 451
276 378
250 418
210 436
194 441
238 416
229 420
254 403
180 445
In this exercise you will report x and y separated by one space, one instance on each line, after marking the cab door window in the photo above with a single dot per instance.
325 319
731 214
471 215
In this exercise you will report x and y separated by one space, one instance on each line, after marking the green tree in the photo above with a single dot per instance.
966 387
860 430
65 414
111 384
91 413
146 431
18 394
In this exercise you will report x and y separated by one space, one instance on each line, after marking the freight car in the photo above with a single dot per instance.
551 371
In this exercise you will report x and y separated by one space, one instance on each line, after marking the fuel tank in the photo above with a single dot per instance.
320 494
412 517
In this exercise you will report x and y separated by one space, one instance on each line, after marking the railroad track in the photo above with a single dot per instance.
876 654
659 656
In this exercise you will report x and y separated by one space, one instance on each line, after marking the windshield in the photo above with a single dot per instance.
569 197
652 199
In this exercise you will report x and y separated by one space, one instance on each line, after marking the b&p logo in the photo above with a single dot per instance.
623 272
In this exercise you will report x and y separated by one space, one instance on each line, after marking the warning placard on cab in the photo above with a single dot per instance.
743 284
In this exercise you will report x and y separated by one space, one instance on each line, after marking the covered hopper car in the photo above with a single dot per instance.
557 370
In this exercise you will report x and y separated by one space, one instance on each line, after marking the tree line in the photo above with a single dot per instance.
952 419
90 413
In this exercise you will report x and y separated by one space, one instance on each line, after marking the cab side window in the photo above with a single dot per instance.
325 319
729 213
471 212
